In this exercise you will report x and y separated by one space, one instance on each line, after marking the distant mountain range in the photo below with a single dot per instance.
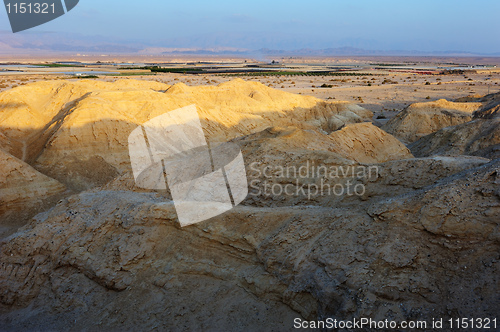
340 51
48 43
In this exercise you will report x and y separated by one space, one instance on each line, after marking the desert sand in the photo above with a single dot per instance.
82 247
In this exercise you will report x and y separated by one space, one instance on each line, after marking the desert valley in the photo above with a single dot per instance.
82 247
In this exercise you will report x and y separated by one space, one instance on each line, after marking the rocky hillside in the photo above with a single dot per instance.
479 137
83 248
421 119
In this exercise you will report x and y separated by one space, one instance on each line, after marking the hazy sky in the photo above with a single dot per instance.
424 25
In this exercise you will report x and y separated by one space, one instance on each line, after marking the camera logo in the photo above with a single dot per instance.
171 151
27 14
